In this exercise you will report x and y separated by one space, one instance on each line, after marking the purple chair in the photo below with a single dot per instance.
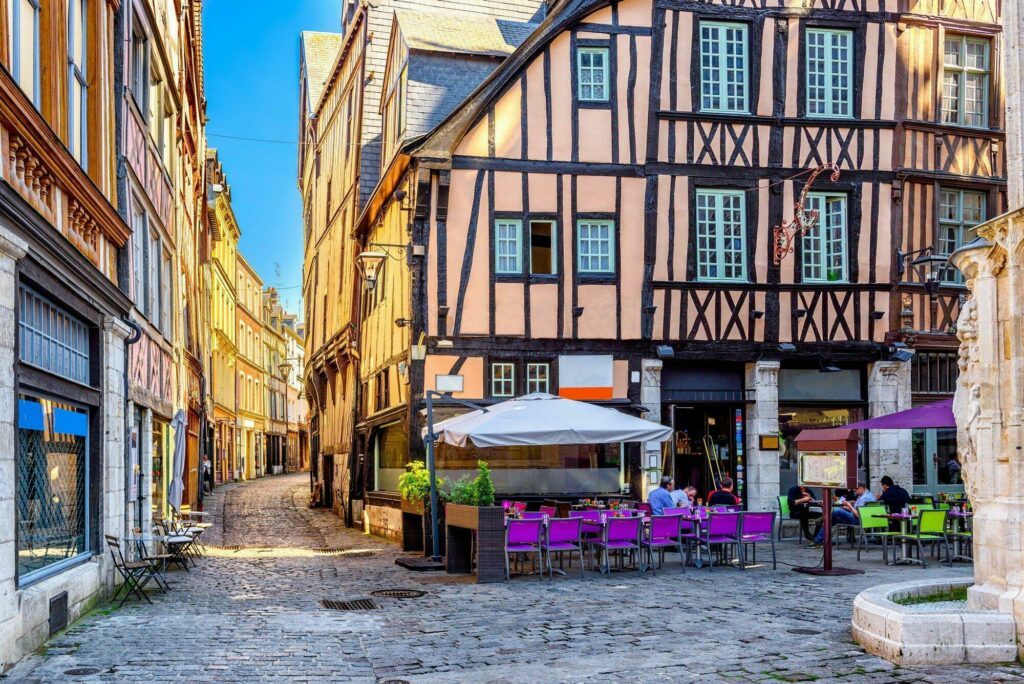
506 504
564 534
549 511
523 536
533 515
665 533
520 506
620 534
645 507
756 528
722 530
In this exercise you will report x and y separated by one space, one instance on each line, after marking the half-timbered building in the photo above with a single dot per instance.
598 221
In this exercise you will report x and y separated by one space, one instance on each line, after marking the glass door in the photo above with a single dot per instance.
936 465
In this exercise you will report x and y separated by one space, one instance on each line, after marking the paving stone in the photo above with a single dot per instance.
254 615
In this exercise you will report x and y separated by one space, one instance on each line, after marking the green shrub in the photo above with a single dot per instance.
414 484
463 491
484 485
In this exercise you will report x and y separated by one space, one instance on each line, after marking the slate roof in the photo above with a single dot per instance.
319 50
453 32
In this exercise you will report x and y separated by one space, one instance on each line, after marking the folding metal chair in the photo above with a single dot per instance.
136 574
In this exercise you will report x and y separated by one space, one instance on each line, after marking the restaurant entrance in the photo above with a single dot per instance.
707 445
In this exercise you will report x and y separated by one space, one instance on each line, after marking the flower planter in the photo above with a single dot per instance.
489 524
416 528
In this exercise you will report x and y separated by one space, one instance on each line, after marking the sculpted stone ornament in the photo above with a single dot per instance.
967 332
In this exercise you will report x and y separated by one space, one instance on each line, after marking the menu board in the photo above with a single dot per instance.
822 468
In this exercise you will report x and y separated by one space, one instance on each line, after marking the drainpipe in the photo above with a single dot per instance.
128 420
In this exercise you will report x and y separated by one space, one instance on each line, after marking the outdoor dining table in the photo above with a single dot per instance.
959 519
904 520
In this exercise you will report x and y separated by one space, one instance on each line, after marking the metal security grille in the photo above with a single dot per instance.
51 490
52 339
399 593
934 373
357 604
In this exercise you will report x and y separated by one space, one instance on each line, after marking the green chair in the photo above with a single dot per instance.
784 514
961 535
874 525
931 528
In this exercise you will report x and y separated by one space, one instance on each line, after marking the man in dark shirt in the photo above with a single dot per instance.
800 500
893 496
723 496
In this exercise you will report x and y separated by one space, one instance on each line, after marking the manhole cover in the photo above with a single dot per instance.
357 604
82 671
807 632
399 593
393 681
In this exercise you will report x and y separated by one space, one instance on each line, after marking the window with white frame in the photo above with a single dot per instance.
965 74
823 247
77 83
595 247
829 72
503 379
508 234
23 26
538 377
721 242
723 67
959 212
592 74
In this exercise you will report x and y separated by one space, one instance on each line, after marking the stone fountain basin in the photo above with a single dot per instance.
920 634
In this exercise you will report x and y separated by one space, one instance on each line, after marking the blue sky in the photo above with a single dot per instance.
252 61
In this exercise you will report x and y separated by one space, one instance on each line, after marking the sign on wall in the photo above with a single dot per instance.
585 377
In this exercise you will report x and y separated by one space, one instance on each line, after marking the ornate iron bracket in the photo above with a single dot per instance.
784 236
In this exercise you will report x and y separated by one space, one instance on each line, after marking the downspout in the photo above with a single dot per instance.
129 474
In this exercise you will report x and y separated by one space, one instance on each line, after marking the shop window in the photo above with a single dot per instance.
829 73
823 247
592 74
503 380
23 23
595 246
52 486
723 67
959 212
507 247
538 377
391 453
139 76
965 81
721 225
543 251
933 373
51 339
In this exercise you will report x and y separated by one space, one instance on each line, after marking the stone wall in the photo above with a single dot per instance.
762 467
383 521
889 450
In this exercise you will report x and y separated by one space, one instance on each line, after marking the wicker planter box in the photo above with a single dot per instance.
416 528
489 524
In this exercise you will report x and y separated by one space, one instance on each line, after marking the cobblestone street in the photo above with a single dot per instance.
254 615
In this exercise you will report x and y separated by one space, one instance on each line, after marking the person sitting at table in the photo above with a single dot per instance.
847 513
893 496
800 499
723 496
661 498
680 497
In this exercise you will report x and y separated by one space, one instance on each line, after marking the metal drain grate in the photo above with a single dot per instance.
399 593
82 671
805 632
356 604
232 547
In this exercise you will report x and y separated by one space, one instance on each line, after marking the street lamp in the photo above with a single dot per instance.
286 372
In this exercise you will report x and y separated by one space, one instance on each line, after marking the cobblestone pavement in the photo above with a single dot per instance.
254 615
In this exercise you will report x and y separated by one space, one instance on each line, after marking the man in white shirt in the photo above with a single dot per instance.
847 513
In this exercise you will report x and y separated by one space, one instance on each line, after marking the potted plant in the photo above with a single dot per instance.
414 486
471 509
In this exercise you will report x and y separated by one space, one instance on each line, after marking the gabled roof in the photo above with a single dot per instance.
441 141
319 50
453 32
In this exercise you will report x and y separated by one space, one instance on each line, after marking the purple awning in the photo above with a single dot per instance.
937 415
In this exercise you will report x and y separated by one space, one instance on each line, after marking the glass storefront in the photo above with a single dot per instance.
161 464
391 453
936 465
52 484
793 419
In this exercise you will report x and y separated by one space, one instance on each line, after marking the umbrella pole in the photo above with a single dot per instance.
430 438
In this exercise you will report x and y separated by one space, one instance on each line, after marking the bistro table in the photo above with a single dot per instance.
960 518
904 520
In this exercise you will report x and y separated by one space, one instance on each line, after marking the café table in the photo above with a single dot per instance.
904 520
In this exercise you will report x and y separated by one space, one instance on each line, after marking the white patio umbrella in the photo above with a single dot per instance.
542 419
178 480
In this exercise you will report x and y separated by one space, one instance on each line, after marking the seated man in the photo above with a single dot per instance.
680 498
661 498
847 513
893 496
800 500
723 496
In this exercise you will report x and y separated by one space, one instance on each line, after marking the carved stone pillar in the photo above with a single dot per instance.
889 450
989 407
762 467
650 397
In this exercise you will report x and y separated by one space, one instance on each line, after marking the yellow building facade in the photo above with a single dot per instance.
251 411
